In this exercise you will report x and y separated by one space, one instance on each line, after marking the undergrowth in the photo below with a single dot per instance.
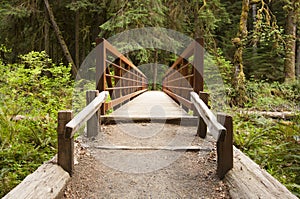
272 143
32 92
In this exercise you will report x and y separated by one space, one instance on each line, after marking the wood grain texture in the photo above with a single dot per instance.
150 148
150 105
47 182
93 122
248 180
214 127
85 114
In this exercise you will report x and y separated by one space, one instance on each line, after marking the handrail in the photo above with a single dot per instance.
215 128
126 80
185 74
85 114
67 127
220 127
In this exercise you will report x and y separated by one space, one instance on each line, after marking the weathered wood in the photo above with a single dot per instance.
272 114
182 121
93 123
48 182
215 128
65 145
247 180
165 148
85 114
202 127
150 105
225 148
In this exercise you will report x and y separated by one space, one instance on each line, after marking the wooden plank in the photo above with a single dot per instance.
48 182
215 128
176 120
151 104
202 127
93 126
85 114
247 180
145 148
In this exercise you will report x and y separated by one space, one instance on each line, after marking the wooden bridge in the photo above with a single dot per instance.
121 95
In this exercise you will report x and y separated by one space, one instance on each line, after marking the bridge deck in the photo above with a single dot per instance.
150 105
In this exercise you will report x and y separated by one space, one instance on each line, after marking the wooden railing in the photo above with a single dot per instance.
186 74
223 134
67 127
116 74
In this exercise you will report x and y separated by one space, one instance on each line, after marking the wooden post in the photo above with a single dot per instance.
101 69
198 65
202 127
93 126
65 145
225 148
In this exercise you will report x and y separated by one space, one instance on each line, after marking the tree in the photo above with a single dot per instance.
60 38
292 12
239 76
136 14
264 42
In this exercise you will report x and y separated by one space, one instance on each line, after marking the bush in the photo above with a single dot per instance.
32 92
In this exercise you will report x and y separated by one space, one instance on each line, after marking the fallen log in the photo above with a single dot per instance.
248 180
270 114
48 181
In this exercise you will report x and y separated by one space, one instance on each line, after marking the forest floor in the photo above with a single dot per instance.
102 173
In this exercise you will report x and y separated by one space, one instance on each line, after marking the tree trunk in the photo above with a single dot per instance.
46 34
60 38
254 13
239 76
298 60
77 35
289 63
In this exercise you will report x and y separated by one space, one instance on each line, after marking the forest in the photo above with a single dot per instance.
254 43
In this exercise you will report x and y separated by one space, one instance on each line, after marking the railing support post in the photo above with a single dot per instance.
101 69
225 148
65 145
93 125
202 127
198 65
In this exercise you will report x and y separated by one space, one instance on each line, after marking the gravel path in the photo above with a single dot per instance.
145 173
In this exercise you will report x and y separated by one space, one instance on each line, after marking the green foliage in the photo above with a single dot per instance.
264 55
274 145
32 92
273 96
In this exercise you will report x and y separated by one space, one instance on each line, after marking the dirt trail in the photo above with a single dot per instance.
145 173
